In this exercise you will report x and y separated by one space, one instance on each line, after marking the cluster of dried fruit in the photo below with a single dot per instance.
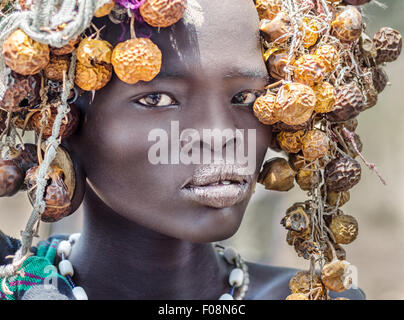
36 83
326 71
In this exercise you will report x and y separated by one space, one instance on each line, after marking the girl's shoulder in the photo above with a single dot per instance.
272 283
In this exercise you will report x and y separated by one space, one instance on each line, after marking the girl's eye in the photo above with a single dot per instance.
156 100
245 98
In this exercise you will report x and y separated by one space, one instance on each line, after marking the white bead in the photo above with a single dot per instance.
230 255
65 247
226 296
74 238
79 293
66 268
236 277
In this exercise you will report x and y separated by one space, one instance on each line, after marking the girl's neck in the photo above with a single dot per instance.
119 259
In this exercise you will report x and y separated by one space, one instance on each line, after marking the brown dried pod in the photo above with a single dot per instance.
290 141
276 30
315 144
350 125
23 54
25 157
57 64
342 174
264 109
339 251
3 118
67 48
388 43
307 179
92 52
303 282
349 103
296 218
277 175
344 228
23 92
335 276
268 9
295 103
11 178
329 56
281 126
380 79
332 198
105 9
356 2
297 161
305 248
326 96
93 78
369 92
297 296
276 64
163 13
69 124
56 197
309 70
347 26
136 60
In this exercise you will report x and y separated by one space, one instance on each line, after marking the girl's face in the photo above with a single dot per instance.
212 69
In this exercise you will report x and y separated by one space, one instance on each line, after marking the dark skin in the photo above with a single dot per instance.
140 236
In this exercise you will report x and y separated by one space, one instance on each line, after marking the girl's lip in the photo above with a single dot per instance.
217 195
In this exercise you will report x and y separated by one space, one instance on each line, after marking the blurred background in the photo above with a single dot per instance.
379 209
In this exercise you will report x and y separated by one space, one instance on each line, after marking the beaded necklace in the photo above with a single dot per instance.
238 278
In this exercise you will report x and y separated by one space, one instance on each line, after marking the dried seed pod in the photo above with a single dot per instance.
25 158
3 117
369 92
307 179
276 30
296 219
94 78
335 276
297 161
329 56
349 103
290 141
339 251
23 54
268 9
136 60
264 109
295 103
67 48
305 248
303 281
281 126
277 175
276 64
332 198
350 125
388 43
309 69
105 9
24 92
351 151
11 178
344 228
342 174
163 13
315 144
68 126
380 79
56 197
57 64
92 52
347 26
326 96
297 296
310 32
